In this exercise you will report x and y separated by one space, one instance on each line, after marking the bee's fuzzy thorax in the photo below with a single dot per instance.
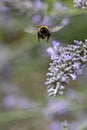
42 26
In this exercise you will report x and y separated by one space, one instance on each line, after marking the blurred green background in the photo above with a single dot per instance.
24 103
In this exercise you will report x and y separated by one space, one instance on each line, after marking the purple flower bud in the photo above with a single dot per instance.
79 71
76 65
67 57
36 18
38 4
55 45
73 76
55 126
64 21
76 42
51 53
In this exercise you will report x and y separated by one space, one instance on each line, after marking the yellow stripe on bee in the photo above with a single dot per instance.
43 26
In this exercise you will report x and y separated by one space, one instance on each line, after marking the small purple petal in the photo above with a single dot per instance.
73 76
9 101
51 53
64 80
55 44
38 4
64 21
49 74
67 57
76 65
76 42
79 72
36 18
55 125
4 9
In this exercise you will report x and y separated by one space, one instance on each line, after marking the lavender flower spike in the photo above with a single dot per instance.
80 3
67 63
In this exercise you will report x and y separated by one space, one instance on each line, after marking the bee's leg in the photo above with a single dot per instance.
38 39
48 37
38 36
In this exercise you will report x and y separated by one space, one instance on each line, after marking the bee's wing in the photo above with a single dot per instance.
30 29
56 28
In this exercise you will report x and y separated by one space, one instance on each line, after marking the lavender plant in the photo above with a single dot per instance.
80 3
66 63
36 11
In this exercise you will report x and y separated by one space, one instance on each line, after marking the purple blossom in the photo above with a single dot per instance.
4 9
68 57
36 18
55 125
56 108
46 21
51 53
62 107
79 3
79 71
38 5
73 76
76 65
67 63
76 42
64 21
9 101
55 45
59 7
64 80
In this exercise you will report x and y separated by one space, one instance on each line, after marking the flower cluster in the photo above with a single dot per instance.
80 3
36 10
33 13
67 63
56 108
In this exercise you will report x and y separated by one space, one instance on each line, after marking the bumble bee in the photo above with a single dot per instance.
43 31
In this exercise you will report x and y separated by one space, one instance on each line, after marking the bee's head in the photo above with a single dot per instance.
43 30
